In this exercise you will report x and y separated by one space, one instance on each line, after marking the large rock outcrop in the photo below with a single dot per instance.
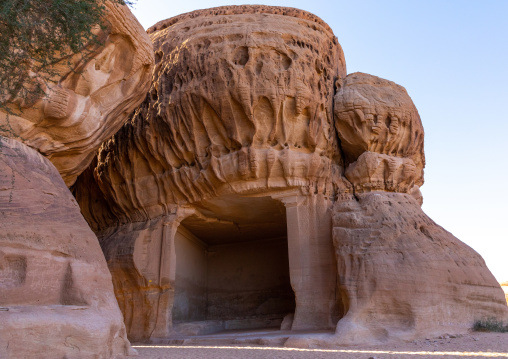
239 113
56 294
89 97
254 153
400 274
241 101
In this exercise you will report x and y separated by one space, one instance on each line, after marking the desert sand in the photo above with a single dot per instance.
473 345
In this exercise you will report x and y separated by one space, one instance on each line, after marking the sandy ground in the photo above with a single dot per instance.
474 345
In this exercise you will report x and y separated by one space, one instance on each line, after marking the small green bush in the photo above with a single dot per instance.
490 325
37 34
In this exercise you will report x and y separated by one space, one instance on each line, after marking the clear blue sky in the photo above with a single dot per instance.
452 57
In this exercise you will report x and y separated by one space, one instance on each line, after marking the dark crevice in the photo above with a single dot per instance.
339 146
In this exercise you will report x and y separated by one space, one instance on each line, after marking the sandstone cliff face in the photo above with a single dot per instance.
89 100
253 140
56 295
401 276
240 108
241 101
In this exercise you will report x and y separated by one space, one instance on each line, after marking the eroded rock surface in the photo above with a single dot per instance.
401 276
252 140
241 101
56 294
380 133
89 99
240 109
377 115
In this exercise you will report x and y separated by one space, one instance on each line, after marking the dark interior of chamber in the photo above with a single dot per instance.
232 265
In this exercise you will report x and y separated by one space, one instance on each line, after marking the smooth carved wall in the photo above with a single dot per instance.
191 278
249 280
237 280
56 295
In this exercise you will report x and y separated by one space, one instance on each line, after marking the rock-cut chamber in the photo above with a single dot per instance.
232 267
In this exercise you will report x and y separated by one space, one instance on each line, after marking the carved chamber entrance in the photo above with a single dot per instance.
232 267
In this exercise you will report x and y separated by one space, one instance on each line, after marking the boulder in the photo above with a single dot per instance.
376 115
56 294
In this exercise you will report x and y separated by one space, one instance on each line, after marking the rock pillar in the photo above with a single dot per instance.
167 272
143 265
311 259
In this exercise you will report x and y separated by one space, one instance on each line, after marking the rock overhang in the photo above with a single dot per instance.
228 120
241 103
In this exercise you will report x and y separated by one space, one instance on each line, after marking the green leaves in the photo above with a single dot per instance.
37 34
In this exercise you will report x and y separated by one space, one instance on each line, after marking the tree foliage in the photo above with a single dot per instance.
37 34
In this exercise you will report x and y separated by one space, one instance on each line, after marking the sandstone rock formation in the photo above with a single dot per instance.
380 133
377 115
239 113
56 295
257 185
90 99
228 106
401 276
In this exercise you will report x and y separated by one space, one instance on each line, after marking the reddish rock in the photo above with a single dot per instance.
56 295
259 186
401 276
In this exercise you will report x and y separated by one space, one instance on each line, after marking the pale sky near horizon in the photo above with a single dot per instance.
451 56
